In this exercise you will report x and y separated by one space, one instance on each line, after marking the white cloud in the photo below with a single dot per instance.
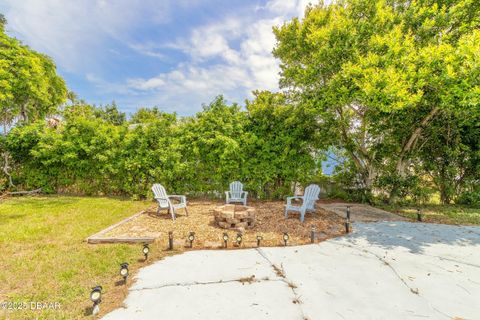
74 32
231 56
187 87
287 9
109 87
148 49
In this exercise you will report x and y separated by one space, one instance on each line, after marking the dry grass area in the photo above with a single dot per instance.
44 257
270 224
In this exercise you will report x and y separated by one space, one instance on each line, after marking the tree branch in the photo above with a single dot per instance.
413 138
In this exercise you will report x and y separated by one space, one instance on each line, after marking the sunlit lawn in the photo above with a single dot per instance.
450 214
44 256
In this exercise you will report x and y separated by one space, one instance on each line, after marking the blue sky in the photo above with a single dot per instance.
175 54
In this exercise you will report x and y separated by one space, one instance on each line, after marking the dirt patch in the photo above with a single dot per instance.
270 224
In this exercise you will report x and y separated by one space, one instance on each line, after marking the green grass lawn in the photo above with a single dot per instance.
44 256
450 214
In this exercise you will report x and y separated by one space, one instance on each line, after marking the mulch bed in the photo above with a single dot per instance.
270 224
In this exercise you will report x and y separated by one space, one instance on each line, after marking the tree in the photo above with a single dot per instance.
29 86
379 72
279 145
451 158
145 115
150 153
111 114
81 155
212 146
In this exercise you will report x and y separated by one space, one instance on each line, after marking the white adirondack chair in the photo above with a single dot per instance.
236 193
308 201
164 201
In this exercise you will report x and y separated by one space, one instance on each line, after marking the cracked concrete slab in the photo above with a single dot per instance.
336 282
205 266
386 270
232 300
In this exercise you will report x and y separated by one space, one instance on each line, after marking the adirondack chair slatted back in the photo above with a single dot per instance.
311 195
236 189
161 195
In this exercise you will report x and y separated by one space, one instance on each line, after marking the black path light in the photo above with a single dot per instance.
225 239
285 238
259 238
191 238
239 238
146 250
347 220
170 240
96 297
312 235
419 215
124 271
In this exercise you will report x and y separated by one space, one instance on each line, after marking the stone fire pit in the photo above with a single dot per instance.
232 216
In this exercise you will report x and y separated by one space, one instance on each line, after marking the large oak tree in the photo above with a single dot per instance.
377 73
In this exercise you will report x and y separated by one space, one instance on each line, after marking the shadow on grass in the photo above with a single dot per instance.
44 201
14 216
120 283
88 311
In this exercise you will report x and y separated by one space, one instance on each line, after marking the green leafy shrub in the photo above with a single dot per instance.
471 198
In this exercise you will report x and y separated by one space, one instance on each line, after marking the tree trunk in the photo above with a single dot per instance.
411 142
23 112
6 169
6 166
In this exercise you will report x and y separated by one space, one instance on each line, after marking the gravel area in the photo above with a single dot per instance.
270 224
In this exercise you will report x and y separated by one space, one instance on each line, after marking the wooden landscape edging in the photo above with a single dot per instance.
97 237
120 240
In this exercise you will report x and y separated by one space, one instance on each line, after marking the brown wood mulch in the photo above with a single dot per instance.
270 224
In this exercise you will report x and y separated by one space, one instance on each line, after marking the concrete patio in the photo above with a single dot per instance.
384 270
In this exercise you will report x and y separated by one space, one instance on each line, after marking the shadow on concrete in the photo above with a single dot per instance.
414 237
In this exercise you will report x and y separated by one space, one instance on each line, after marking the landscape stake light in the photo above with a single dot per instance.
239 238
146 250
191 238
419 215
124 271
259 238
347 221
96 297
170 240
285 238
225 239
312 235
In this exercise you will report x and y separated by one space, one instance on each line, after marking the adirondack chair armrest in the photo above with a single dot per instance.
244 194
183 199
162 199
289 199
